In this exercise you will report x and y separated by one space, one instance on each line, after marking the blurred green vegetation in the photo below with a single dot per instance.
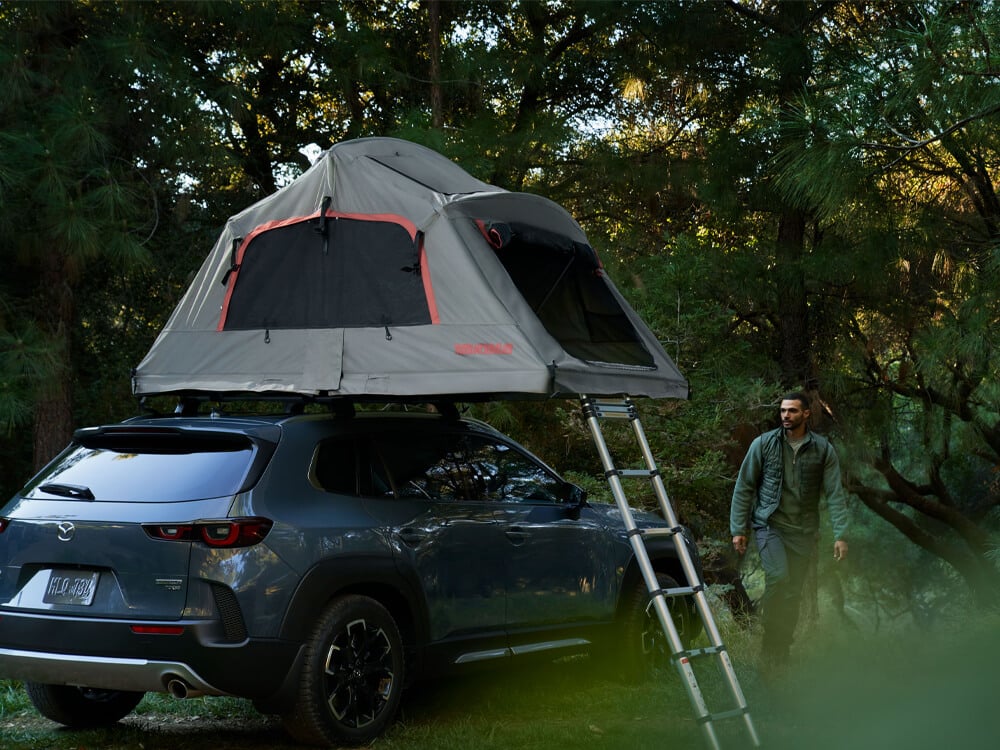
847 687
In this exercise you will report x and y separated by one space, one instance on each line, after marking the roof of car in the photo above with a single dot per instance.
251 422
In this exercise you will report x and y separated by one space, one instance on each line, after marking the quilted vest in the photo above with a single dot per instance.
809 464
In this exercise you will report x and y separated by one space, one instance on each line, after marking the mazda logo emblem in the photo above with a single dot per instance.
65 531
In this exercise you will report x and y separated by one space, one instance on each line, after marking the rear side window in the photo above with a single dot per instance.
149 467
344 465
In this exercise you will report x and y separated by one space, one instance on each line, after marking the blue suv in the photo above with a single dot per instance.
312 563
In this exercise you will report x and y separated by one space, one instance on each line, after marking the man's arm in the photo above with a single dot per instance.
744 496
836 502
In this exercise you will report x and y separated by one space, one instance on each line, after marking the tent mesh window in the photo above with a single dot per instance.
343 273
564 283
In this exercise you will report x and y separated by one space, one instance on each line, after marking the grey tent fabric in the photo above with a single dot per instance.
386 270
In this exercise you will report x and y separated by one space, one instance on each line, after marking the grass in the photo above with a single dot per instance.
843 690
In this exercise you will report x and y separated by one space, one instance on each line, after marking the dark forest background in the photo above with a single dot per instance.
792 195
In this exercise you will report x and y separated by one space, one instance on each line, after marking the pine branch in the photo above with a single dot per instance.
912 144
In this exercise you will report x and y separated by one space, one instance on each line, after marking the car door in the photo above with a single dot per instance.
559 556
445 533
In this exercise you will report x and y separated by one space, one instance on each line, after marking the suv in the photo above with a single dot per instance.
312 563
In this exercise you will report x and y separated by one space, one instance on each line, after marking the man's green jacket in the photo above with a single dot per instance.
759 485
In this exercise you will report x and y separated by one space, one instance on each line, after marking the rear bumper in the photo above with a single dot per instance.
140 675
109 654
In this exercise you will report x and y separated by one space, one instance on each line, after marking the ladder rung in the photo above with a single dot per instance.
637 472
611 411
731 714
696 653
660 531
679 591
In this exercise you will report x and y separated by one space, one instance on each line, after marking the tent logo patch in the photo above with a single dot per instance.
469 349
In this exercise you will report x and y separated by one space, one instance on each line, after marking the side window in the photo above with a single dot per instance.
348 466
335 466
517 478
430 466
465 467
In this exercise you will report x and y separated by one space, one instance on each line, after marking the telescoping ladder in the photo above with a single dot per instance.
593 412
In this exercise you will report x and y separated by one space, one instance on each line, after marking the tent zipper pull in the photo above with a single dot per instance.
233 265
388 336
323 221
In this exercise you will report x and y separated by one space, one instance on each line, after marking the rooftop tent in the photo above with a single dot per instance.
386 270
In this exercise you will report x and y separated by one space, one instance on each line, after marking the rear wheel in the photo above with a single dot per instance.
81 707
352 675
646 649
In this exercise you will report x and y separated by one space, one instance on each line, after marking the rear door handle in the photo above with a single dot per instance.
411 537
516 535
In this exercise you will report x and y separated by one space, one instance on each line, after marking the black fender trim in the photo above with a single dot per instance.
377 577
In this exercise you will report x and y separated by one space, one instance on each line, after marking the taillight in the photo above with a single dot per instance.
158 629
3 524
227 533
181 533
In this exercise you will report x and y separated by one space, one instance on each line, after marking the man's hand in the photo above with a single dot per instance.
839 549
740 544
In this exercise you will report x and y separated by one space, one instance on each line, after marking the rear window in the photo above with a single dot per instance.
149 468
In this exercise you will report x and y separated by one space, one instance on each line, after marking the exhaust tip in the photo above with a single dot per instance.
180 689
177 688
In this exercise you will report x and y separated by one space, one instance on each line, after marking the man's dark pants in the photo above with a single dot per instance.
785 562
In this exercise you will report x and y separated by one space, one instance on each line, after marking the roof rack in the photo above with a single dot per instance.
190 404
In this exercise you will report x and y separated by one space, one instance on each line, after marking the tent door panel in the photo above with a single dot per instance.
347 273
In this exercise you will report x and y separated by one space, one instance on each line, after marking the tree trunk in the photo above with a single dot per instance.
53 423
795 355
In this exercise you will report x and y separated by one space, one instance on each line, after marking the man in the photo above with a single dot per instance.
777 494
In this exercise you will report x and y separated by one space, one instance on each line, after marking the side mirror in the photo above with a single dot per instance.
576 499
576 496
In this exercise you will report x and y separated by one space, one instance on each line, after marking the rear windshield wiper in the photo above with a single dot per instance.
76 491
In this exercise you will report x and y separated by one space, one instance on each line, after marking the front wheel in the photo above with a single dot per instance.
645 648
81 707
352 675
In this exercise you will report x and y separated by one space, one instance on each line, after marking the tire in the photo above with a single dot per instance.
645 650
352 675
81 707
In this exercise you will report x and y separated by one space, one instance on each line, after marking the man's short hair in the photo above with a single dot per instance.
799 396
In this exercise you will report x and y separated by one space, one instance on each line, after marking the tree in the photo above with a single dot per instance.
911 119
806 265
72 193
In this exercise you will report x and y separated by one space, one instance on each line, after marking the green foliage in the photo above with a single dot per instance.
685 138
26 357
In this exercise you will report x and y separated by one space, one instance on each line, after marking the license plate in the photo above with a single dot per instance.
71 587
